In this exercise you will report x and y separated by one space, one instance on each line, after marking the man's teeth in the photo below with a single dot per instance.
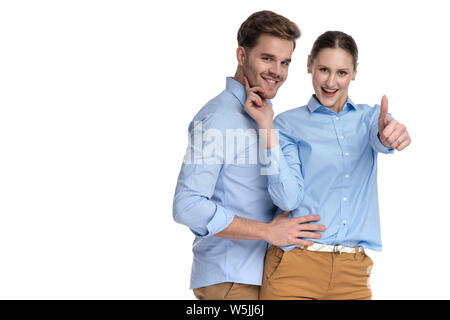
330 91
271 81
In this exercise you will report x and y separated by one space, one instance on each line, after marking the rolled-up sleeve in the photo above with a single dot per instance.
286 185
192 205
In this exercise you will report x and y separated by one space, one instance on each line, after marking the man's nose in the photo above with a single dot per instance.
275 70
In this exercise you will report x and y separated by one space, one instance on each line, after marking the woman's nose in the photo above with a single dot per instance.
330 81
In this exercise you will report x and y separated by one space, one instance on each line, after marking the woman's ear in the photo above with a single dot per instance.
308 64
355 71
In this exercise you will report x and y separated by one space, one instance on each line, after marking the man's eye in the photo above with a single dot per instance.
267 59
285 63
342 73
323 69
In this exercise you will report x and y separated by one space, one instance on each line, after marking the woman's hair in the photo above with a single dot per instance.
266 22
335 40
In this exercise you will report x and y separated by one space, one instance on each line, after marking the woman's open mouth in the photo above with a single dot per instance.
329 92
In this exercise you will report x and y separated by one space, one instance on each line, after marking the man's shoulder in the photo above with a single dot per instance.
221 112
222 104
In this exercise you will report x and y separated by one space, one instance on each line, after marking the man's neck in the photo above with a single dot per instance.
239 75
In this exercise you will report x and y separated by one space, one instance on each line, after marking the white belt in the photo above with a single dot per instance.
318 247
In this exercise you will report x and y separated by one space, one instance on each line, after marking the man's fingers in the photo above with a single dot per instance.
311 227
308 218
302 242
310 235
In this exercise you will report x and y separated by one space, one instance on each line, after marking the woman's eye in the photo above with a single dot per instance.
323 69
342 73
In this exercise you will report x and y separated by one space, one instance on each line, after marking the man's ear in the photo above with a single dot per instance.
240 55
308 64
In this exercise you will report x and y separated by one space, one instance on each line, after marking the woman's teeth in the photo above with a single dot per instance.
329 92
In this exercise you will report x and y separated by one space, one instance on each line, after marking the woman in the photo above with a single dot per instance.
327 166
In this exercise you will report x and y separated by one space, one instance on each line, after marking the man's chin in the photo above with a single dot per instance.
269 93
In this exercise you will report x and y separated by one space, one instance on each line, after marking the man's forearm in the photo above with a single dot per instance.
245 229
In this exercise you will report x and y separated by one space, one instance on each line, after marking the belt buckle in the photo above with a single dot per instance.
338 248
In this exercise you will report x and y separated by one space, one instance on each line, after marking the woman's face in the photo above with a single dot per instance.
332 70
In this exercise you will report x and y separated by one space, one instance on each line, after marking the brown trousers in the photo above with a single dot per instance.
227 291
307 275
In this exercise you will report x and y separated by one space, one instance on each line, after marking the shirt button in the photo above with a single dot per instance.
344 222
346 154
337 118
347 176
345 199
341 137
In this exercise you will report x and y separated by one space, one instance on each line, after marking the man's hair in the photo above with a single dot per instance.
266 22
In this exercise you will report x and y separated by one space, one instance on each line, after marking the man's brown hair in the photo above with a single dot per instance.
266 22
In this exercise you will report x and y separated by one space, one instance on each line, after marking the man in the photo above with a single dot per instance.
221 193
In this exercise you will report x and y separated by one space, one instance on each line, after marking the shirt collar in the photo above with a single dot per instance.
314 104
238 90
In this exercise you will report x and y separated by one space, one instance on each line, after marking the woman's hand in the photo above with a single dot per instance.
391 133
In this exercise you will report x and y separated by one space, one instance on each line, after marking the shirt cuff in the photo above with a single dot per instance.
220 221
376 143
278 166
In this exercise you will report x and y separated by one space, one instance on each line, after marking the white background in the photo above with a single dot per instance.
95 101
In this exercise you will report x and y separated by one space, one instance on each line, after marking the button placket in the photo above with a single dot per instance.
341 136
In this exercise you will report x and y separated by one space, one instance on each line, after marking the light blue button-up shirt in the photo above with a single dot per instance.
328 167
214 186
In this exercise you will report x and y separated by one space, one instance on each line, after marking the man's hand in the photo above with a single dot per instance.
285 231
257 107
391 133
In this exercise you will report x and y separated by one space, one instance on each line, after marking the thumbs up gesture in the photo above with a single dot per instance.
391 133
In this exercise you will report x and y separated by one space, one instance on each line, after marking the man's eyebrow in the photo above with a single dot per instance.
273 56
268 55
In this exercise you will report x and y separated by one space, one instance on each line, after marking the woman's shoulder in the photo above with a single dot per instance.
292 114
369 112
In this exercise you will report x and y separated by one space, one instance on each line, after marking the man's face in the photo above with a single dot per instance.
266 64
